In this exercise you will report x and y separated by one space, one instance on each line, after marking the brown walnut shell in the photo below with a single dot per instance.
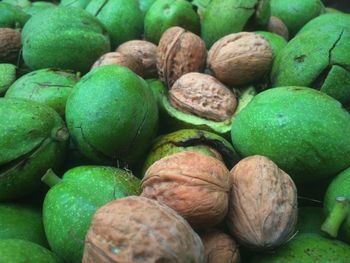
194 185
143 51
140 230
10 45
240 58
204 96
263 204
277 26
179 52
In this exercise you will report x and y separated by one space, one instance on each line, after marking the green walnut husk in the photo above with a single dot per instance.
304 131
64 38
144 5
318 59
235 16
72 201
12 16
7 77
48 86
18 3
37 7
112 115
33 139
75 3
277 42
122 18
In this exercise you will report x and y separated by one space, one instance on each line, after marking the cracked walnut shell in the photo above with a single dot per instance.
10 45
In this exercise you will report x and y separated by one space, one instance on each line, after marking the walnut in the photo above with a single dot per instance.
263 204
10 45
179 52
193 184
277 26
137 229
240 58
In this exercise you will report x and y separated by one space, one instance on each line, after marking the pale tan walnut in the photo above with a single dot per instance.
263 204
179 52
204 96
193 184
143 51
117 58
277 26
10 45
140 230
219 247
240 58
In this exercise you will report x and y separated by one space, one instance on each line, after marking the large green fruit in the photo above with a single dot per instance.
12 16
304 131
7 77
112 115
71 202
65 38
37 7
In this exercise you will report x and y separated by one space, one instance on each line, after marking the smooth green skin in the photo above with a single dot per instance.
122 18
144 5
32 140
164 14
277 42
20 221
18 3
296 13
75 3
340 186
48 86
304 131
12 16
234 16
112 115
64 38
37 7
308 248
317 59
310 220
7 77
22 251
70 204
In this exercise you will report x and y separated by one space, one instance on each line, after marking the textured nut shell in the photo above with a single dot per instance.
143 51
277 26
203 95
263 204
194 185
179 52
10 45
219 247
117 58
240 58
140 230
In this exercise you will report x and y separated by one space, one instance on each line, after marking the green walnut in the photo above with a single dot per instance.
72 201
18 3
277 42
144 5
37 7
48 86
33 139
122 18
304 131
12 16
112 115
64 38
75 3
7 77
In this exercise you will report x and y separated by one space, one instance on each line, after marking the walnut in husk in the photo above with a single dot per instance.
10 45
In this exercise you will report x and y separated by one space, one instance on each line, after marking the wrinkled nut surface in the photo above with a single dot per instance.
10 45
219 247
263 204
143 51
194 185
117 58
140 230
277 26
240 58
204 96
179 52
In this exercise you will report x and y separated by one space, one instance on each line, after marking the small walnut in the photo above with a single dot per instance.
204 96
277 26
143 51
263 204
136 229
194 185
219 247
117 58
10 45
240 58
179 52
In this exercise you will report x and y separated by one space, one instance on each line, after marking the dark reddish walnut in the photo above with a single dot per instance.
277 26
179 52
240 58
143 51
263 204
219 247
204 96
194 185
117 58
140 230
10 45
